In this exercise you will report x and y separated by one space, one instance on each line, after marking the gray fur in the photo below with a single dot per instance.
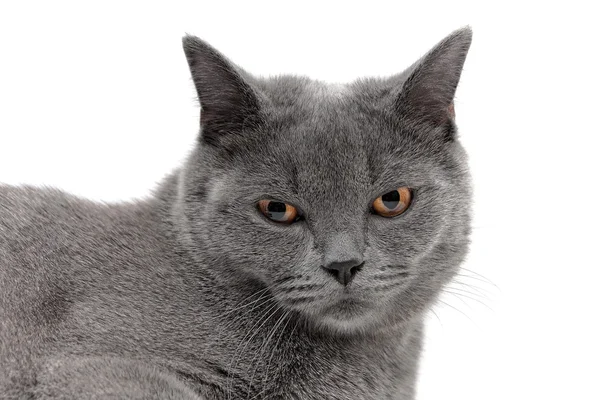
193 294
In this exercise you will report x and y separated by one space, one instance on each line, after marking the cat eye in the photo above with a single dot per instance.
279 211
393 203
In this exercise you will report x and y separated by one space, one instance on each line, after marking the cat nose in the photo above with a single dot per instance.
344 271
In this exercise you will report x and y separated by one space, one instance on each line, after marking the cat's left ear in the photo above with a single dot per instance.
228 102
427 94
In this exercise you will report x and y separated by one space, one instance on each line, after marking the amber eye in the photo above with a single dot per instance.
393 203
278 211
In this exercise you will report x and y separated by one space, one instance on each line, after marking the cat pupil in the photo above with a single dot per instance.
391 199
276 210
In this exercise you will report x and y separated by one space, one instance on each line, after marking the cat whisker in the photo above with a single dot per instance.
484 278
472 286
263 294
459 295
459 298
264 383
456 309
264 300
463 290
384 285
393 268
261 316
287 278
390 276
239 304
262 349
436 316
289 313
298 300
266 316
475 278
302 287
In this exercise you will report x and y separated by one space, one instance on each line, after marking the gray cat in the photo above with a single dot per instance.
292 256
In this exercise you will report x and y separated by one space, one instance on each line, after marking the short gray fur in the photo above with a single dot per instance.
193 294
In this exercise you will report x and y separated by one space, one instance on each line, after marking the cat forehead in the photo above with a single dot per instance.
300 92
314 110
330 127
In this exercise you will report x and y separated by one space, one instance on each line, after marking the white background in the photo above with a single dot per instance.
96 99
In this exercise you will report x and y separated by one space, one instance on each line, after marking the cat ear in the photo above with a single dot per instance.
428 92
228 104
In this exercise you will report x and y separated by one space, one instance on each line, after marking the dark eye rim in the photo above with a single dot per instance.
413 196
299 216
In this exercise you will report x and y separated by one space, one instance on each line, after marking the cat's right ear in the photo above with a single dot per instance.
228 103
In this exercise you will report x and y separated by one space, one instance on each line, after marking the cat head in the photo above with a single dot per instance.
349 202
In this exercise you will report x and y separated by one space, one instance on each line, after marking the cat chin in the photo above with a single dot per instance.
347 326
349 318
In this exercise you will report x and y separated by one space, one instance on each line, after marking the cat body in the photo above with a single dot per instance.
192 293
116 285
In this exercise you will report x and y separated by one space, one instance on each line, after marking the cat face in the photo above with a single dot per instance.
350 203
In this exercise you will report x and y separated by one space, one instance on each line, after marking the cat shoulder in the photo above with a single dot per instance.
21 206
34 216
